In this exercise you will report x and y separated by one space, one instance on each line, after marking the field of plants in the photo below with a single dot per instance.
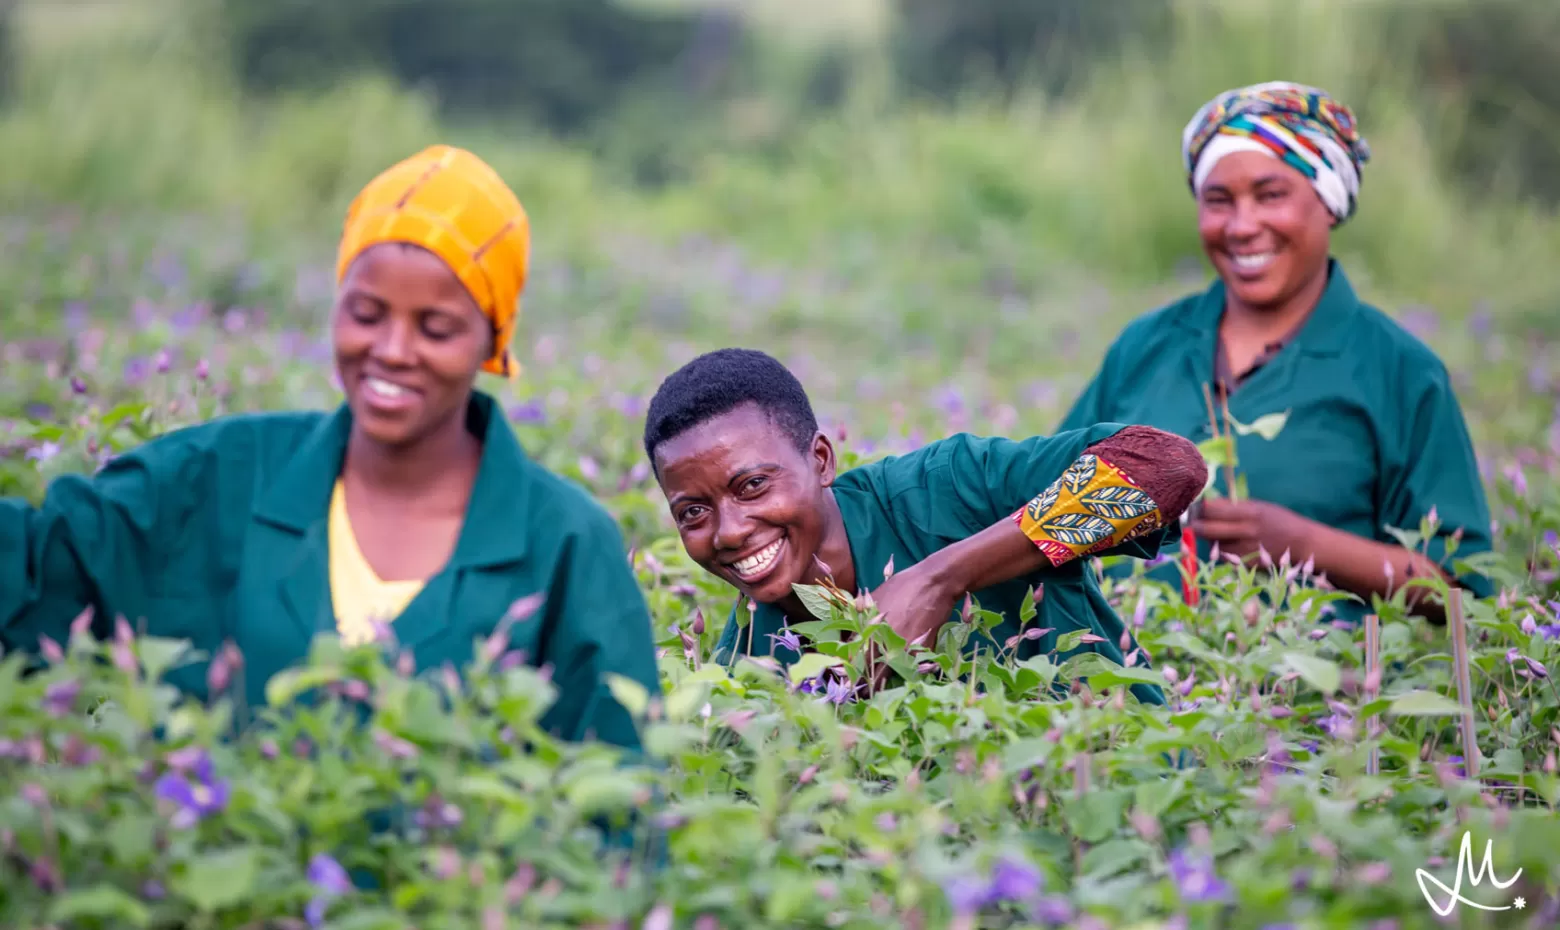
167 255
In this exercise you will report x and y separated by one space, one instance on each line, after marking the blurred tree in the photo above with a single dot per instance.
1491 72
943 48
562 62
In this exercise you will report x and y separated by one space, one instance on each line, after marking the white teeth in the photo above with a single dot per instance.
759 561
1252 262
384 388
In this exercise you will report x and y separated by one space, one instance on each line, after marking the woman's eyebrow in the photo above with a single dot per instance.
744 472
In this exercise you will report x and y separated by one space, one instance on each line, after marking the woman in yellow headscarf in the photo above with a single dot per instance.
412 505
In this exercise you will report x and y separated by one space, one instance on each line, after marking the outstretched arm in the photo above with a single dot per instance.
101 542
1135 482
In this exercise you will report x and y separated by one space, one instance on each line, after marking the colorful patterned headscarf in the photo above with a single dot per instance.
453 204
1299 125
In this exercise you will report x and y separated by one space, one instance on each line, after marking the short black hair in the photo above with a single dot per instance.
718 382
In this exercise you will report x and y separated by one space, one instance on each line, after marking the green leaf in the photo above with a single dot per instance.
214 880
1216 452
287 685
1087 665
1155 797
1424 704
599 792
1122 675
1114 857
634 697
104 902
1097 815
812 665
159 654
1026 753
1507 762
1267 426
689 695
1027 609
816 599
1319 673
1067 642
489 788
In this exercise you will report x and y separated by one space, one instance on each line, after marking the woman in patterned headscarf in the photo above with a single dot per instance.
411 506
1374 440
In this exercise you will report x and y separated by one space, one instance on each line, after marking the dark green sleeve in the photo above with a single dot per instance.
597 623
983 479
110 542
1433 466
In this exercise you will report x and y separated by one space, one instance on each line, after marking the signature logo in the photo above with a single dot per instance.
1475 876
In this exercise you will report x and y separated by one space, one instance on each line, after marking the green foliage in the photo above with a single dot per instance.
763 803
564 63
1490 71
1005 46
924 273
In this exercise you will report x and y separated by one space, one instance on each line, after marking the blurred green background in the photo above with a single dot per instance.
951 205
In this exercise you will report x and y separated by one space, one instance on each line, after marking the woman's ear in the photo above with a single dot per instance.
824 459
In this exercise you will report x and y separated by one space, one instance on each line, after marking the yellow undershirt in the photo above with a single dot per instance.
358 594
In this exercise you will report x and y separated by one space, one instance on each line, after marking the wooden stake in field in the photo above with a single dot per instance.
1373 687
1460 668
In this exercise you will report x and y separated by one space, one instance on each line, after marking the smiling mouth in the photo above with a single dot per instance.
758 564
1254 262
386 392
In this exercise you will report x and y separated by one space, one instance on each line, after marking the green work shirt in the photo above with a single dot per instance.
908 507
1374 440
219 532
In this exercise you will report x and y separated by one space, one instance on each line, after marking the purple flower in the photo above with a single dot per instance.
839 692
136 370
1011 880
1054 910
59 698
438 813
530 413
787 639
193 799
967 895
1534 667
44 451
326 874
1195 879
1014 880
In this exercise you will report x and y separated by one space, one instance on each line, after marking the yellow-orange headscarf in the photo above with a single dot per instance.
453 204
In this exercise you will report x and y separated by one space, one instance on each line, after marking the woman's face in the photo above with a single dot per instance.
409 341
1264 228
749 506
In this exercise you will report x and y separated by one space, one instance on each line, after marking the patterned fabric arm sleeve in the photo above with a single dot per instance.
1137 481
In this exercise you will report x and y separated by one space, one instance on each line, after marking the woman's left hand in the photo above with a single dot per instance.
1241 527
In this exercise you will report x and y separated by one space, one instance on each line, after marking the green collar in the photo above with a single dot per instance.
1325 332
494 531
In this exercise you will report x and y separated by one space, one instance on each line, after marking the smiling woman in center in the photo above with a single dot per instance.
752 486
